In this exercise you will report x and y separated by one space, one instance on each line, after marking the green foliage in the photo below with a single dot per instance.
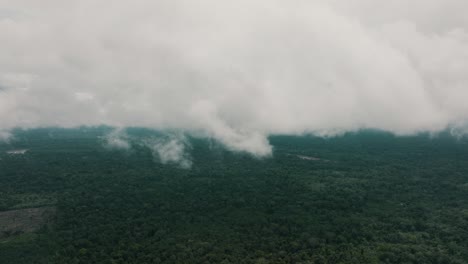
369 198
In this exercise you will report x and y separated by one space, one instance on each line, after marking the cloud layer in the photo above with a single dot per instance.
236 71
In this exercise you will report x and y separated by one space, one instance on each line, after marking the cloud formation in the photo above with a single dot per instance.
117 139
236 71
171 150
5 136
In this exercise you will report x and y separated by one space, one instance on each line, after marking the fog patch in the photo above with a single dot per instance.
117 139
5 136
460 130
171 150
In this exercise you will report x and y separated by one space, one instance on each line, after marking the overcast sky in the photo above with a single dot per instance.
236 71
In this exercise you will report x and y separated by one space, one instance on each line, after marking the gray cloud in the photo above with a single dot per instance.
5 136
236 71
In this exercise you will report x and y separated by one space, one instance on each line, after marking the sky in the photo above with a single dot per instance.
235 71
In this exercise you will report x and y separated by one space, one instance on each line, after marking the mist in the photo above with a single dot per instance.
236 72
171 150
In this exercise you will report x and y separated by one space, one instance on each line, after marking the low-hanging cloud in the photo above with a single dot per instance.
5 136
168 148
117 139
171 149
236 71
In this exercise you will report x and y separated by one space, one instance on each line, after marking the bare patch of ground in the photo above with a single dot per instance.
15 222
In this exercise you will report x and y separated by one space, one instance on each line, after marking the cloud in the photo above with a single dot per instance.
5 136
460 130
167 148
171 150
83 96
117 139
236 71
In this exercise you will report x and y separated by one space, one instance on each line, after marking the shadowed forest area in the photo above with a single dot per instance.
366 197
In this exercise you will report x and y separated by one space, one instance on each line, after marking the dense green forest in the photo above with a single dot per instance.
365 197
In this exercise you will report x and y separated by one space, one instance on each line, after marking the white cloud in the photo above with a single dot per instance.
236 71
117 139
171 150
